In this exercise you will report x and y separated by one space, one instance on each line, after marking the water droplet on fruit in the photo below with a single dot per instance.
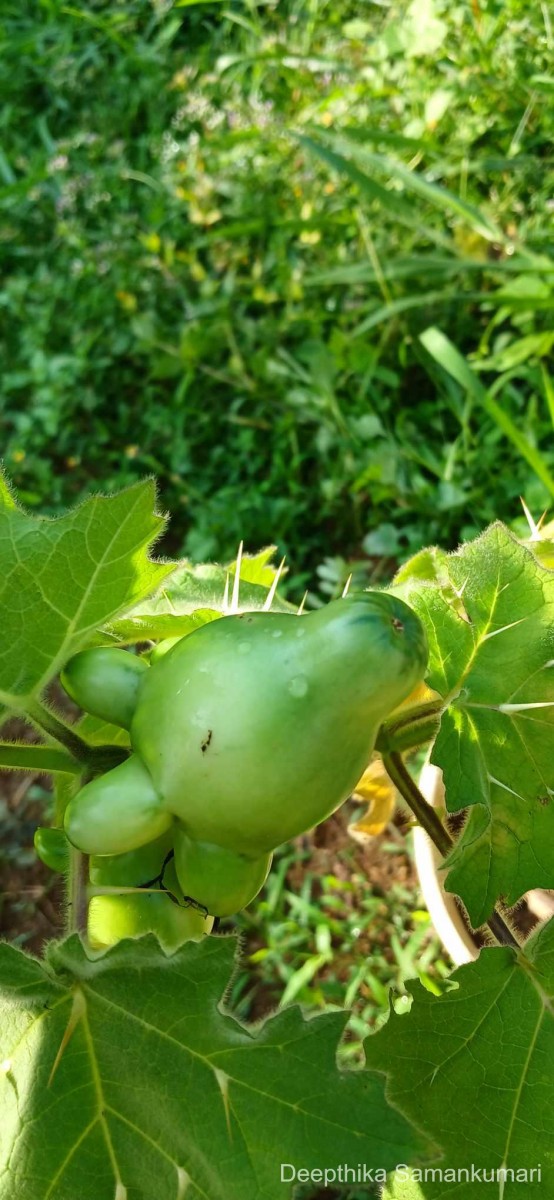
277 633
298 686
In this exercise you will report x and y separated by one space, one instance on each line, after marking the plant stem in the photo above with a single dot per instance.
77 899
436 831
426 815
96 758
25 756
431 708
415 727
83 759
57 729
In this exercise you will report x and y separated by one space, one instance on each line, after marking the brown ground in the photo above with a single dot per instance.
30 894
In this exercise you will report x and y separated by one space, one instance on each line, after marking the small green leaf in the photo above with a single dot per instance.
257 568
534 345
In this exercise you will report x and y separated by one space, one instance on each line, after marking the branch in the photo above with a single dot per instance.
436 831
49 723
414 727
23 756
77 898
97 759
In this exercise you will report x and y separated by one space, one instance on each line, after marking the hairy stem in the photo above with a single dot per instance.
426 815
26 756
77 898
429 820
415 727
97 758
418 712
87 761
58 729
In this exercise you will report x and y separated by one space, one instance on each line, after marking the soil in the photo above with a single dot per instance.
31 896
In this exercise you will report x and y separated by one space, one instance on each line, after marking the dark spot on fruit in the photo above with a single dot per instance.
204 745
544 800
397 624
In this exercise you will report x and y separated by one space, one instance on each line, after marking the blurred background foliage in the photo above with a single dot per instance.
225 228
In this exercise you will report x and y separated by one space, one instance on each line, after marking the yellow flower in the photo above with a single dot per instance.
378 792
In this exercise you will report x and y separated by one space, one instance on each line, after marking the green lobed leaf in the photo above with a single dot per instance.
258 568
195 594
164 616
61 578
492 659
474 1068
123 1078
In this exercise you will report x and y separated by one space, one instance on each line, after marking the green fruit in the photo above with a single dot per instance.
251 730
163 648
113 917
136 867
117 811
105 681
222 881
257 726
52 848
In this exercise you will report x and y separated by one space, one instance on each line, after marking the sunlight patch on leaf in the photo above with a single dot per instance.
159 1092
489 1043
63 577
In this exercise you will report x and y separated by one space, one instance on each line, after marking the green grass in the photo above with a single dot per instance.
322 939
225 229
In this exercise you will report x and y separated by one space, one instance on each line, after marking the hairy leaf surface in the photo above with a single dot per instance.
62 578
124 1080
474 1068
489 614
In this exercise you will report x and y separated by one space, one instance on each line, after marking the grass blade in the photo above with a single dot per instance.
390 200
356 157
548 391
449 358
